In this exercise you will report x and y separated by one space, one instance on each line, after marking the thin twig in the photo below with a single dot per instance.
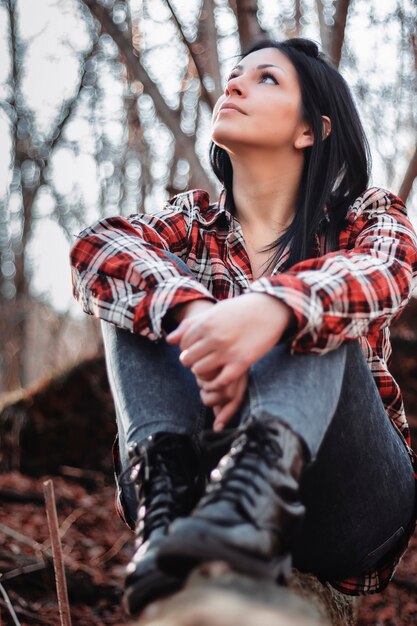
208 97
65 526
115 549
9 605
25 569
61 585
32 614
11 532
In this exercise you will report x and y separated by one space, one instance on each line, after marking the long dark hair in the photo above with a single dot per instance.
336 169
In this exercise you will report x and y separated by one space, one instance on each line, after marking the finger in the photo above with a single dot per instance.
190 356
211 362
192 333
224 416
216 397
176 335
204 379
229 373
210 385
224 413
235 388
219 397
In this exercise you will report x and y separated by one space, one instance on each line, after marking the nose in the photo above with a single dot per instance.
235 85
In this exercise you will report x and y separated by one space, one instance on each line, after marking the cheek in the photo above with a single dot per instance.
283 120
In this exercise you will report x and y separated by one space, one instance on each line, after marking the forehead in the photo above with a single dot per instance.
268 56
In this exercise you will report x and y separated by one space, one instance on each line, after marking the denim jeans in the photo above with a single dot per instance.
358 489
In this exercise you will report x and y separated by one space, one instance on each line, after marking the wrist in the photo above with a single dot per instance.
275 308
187 309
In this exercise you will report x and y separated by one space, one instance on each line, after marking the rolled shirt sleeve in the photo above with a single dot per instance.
121 274
354 291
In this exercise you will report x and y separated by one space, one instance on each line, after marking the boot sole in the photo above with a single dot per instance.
179 555
149 588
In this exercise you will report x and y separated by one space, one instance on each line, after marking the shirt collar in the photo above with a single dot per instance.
220 210
215 212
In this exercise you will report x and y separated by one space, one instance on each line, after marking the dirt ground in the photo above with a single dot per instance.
97 547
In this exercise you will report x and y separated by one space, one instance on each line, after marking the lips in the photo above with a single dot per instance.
230 106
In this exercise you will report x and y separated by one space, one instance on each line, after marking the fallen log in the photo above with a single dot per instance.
216 596
64 422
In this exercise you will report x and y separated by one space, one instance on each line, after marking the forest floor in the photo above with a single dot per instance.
97 546
53 424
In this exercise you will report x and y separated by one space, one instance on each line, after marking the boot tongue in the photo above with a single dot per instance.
214 446
180 456
222 512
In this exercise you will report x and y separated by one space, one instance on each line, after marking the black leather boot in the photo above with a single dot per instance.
166 470
251 510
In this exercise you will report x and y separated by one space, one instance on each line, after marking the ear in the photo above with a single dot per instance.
327 126
305 136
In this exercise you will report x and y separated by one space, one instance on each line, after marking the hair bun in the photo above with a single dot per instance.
307 46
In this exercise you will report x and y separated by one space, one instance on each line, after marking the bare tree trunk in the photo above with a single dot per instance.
207 38
411 173
409 178
413 42
247 22
295 29
332 37
15 320
232 4
22 298
297 18
169 117
203 52
14 325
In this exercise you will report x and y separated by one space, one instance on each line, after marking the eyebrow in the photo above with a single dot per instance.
261 67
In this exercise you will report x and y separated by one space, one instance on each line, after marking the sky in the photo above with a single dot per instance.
56 37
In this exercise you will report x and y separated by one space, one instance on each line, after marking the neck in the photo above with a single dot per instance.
265 190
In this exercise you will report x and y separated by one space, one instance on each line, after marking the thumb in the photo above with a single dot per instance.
174 336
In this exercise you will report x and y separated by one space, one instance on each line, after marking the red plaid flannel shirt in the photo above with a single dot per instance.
120 274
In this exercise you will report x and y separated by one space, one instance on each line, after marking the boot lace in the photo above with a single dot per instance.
253 453
164 482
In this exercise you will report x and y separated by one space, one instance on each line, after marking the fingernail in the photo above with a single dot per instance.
183 355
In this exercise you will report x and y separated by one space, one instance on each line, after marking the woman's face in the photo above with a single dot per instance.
264 87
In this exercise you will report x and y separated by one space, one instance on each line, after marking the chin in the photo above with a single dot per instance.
228 141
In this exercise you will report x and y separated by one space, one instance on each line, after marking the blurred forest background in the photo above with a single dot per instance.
105 109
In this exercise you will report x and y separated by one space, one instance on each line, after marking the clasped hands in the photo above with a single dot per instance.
219 341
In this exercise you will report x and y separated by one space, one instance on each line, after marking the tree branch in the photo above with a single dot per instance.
207 37
332 37
247 22
409 178
168 116
209 97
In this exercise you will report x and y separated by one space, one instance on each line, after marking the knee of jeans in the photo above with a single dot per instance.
353 349
108 331
178 262
112 334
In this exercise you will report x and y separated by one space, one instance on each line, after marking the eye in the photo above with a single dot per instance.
232 75
268 75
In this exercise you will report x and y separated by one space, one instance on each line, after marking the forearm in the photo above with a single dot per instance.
184 310
189 309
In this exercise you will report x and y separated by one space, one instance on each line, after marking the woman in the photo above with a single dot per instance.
267 312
